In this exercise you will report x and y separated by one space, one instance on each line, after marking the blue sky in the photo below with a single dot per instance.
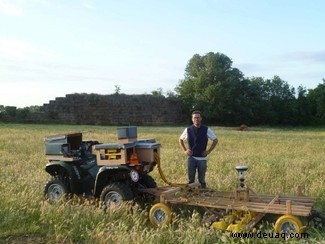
50 48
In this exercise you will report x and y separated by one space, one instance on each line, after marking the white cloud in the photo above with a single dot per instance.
10 8
13 49
88 4
314 56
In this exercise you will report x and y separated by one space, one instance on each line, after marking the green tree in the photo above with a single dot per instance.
23 113
158 92
11 111
2 112
316 98
214 87
302 108
281 97
260 103
117 90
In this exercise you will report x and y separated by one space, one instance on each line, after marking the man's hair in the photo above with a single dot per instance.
197 112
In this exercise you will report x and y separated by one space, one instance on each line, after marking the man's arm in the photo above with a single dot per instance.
213 145
185 150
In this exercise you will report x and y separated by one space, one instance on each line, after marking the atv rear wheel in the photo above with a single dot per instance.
146 181
114 194
57 189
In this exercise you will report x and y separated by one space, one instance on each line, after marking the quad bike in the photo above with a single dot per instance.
111 172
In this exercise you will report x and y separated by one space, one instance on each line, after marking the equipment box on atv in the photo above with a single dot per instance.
114 153
146 150
62 147
124 153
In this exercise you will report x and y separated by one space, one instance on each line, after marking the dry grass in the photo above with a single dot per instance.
278 159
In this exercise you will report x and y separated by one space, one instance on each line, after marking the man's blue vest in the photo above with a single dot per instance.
197 139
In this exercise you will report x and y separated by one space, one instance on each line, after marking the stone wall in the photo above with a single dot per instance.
117 109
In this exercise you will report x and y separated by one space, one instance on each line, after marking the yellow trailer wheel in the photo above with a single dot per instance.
160 214
290 225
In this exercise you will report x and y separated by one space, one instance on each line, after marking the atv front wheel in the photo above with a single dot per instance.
114 194
57 189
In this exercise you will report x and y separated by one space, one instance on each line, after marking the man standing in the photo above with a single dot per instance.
197 136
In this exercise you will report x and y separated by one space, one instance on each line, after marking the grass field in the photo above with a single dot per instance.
278 159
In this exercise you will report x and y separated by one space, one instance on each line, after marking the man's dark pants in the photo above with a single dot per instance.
199 165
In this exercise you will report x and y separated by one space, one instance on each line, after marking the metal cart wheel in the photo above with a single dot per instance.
160 214
290 225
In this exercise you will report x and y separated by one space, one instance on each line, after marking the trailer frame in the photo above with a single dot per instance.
239 203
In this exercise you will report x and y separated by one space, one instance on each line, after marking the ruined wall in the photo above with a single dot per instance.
112 110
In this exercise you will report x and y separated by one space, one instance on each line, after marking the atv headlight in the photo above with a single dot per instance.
134 175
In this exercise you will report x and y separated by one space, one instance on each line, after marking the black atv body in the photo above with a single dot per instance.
106 174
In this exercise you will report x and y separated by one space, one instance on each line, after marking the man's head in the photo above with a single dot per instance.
196 118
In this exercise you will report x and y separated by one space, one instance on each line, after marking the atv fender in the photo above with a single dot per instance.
66 170
110 173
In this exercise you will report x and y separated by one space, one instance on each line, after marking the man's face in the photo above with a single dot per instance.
196 118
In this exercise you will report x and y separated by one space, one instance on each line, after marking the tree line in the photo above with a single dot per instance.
226 97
